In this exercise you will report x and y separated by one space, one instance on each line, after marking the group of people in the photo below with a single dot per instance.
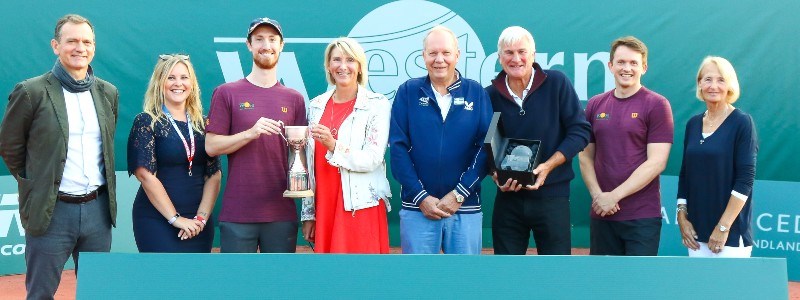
57 140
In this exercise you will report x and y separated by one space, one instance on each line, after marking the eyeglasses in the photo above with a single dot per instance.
168 56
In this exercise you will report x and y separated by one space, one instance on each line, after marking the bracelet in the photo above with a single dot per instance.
683 208
174 218
199 218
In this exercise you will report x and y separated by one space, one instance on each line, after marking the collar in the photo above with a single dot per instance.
428 86
527 89
539 76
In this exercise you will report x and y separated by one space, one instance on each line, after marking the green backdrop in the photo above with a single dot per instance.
572 36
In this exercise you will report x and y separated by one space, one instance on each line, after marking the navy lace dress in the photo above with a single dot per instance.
160 150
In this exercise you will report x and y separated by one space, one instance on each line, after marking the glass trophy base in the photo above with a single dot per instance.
298 194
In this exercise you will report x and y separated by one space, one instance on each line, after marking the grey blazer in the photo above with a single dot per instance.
33 143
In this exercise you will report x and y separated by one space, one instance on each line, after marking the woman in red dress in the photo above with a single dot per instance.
350 130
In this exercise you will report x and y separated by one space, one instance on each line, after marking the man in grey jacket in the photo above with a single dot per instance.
57 140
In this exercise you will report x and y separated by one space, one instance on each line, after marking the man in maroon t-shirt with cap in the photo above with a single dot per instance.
632 132
244 122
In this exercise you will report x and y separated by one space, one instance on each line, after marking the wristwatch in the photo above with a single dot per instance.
459 197
722 228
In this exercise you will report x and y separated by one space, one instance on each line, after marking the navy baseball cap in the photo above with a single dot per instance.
259 21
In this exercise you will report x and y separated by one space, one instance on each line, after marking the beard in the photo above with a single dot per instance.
266 63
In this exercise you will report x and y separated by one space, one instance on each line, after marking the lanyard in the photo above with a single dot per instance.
189 152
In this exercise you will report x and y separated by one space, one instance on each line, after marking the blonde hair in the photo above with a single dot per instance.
728 73
350 48
154 98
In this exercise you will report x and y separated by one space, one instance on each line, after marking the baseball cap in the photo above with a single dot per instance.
259 21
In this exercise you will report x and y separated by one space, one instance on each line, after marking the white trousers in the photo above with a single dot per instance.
727 251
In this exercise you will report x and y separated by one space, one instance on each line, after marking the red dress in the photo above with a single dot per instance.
337 230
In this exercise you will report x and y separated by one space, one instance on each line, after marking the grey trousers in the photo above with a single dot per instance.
271 237
73 228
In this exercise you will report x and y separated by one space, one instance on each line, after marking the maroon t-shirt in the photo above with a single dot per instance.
256 172
621 130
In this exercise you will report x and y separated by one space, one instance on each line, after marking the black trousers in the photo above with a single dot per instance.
517 214
638 237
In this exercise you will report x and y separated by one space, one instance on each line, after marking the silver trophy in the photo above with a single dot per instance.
296 137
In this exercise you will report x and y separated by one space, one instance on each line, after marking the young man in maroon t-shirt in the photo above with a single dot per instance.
632 132
244 123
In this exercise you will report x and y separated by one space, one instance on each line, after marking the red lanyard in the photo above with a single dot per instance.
189 152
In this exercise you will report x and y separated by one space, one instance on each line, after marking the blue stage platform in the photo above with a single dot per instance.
316 276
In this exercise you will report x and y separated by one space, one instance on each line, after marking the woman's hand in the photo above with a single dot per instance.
308 230
323 134
688 235
188 228
717 240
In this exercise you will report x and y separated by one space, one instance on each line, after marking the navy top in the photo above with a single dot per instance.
160 151
432 156
553 114
723 162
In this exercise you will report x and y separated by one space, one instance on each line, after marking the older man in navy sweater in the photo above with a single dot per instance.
540 105
436 137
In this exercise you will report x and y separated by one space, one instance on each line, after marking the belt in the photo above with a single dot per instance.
78 199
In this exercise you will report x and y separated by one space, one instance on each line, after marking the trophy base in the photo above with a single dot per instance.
298 194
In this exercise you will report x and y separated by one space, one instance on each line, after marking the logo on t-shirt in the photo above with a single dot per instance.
246 105
284 109
468 105
602 116
423 101
634 115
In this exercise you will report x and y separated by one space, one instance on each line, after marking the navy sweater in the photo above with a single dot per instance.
553 114
724 162
430 156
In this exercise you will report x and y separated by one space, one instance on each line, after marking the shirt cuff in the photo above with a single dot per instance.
739 196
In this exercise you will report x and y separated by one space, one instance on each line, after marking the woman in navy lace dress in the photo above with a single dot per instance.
166 152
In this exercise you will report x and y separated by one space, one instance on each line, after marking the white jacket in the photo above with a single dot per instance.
359 152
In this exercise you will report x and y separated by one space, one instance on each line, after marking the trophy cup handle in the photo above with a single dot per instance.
283 128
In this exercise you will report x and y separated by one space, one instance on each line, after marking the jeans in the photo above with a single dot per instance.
73 228
458 234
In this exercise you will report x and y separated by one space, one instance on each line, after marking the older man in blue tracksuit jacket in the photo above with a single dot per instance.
436 138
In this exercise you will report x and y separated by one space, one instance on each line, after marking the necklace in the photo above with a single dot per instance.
339 119
707 117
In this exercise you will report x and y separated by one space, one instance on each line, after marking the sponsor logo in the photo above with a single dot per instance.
423 101
246 105
9 218
458 101
468 105
779 223
602 116
8 250
394 51
284 109
9 215
634 115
